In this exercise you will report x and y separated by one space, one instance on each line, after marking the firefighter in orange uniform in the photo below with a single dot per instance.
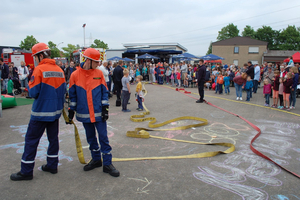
89 98
47 86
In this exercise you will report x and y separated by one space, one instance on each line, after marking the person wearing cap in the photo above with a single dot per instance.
89 98
47 86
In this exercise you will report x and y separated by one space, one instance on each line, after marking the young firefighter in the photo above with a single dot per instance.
89 98
47 86
139 93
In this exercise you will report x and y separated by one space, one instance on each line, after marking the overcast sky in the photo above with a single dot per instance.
191 23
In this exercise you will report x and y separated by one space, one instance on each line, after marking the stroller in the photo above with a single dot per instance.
17 86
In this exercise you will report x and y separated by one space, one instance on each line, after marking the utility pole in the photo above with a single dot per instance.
83 34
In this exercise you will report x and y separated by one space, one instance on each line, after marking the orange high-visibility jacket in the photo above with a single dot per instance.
88 93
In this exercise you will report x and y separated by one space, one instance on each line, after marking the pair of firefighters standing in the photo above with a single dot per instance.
89 98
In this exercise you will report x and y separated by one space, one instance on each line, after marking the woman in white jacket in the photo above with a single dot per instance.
23 74
104 70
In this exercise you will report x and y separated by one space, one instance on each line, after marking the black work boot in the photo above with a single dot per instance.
92 165
111 170
45 168
20 177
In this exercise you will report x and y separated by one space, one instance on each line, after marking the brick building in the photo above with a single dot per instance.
240 50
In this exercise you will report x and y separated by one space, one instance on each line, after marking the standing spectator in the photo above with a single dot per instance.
267 92
201 80
125 91
152 73
248 87
227 83
294 87
269 75
275 89
104 70
4 76
69 71
145 72
287 84
250 72
220 81
239 81
291 62
118 75
184 71
60 64
109 66
280 93
256 78
173 76
47 86
23 74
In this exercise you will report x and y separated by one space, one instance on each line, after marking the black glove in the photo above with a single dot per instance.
104 113
71 116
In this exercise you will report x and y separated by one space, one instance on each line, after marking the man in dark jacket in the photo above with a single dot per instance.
4 76
201 72
118 75
250 72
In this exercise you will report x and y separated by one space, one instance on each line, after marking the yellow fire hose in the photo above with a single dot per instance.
143 133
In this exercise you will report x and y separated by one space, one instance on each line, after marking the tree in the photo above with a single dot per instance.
69 50
289 38
99 44
249 32
227 32
28 42
55 52
267 34
209 51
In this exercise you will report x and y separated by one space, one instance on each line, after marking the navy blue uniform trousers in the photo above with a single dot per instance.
33 135
103 140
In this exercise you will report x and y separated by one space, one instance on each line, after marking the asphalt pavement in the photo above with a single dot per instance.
238 175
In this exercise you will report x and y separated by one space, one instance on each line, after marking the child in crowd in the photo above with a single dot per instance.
137 72
168 75
132 75
280 93
139 93
125 90
275 89
178 77
287 85
216 84
267 91
226 83
173 75
220 82
248 87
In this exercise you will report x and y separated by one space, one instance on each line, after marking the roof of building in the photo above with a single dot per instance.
283 53
148 45
239 41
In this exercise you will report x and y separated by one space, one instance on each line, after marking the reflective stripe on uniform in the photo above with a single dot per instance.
73 103
87 115
27 162
52 156
46 114
96 149
104 102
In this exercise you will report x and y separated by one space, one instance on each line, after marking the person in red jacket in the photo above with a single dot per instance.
89 98
47 86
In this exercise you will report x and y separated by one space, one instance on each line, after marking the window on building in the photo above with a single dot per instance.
253 49
236 50
236 62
